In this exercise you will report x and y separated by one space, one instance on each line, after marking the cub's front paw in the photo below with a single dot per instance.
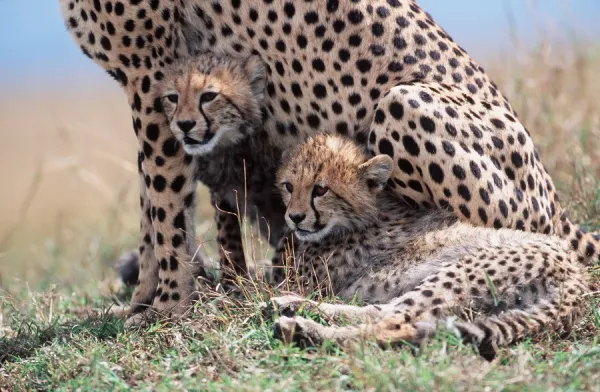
298 330
287 305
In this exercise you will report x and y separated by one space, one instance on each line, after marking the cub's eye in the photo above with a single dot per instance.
173 98
320 190
207 97
288 187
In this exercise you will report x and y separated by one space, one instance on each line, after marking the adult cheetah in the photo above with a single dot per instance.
381 72
416 268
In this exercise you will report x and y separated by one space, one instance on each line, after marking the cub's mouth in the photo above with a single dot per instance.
311 235
194 142
306 232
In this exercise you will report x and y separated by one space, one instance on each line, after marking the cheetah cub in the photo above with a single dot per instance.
213 105
416 269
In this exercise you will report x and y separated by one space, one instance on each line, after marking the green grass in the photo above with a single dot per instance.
65 342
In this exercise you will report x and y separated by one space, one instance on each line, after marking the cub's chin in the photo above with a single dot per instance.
223 138
312 236
204 146
200 148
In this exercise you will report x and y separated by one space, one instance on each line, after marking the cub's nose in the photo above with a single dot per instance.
297 218
186 126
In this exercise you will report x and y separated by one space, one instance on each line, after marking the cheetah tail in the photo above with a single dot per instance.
585 244
128 267
490 333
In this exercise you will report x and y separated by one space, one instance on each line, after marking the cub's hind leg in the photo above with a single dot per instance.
229 240
558 312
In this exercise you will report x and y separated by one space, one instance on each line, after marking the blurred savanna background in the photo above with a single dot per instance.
68 183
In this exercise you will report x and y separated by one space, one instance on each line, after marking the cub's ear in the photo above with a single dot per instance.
289 153
376 172
285 155
257 75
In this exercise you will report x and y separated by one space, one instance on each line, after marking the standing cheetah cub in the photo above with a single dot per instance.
213 107
415 268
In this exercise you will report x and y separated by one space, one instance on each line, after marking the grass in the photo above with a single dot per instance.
55 333
60 342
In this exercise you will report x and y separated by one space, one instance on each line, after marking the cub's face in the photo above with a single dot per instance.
328 186
212 102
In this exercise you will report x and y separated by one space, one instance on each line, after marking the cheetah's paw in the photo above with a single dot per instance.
286 305
298 330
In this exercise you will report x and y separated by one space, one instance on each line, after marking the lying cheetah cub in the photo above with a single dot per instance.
417 269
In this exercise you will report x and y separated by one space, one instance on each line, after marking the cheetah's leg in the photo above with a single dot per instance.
135 61
229 240
470 156
586 244
147 281
169 178
558 313
286 305
538 283
145 264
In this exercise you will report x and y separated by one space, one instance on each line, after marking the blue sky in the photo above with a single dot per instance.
33 41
